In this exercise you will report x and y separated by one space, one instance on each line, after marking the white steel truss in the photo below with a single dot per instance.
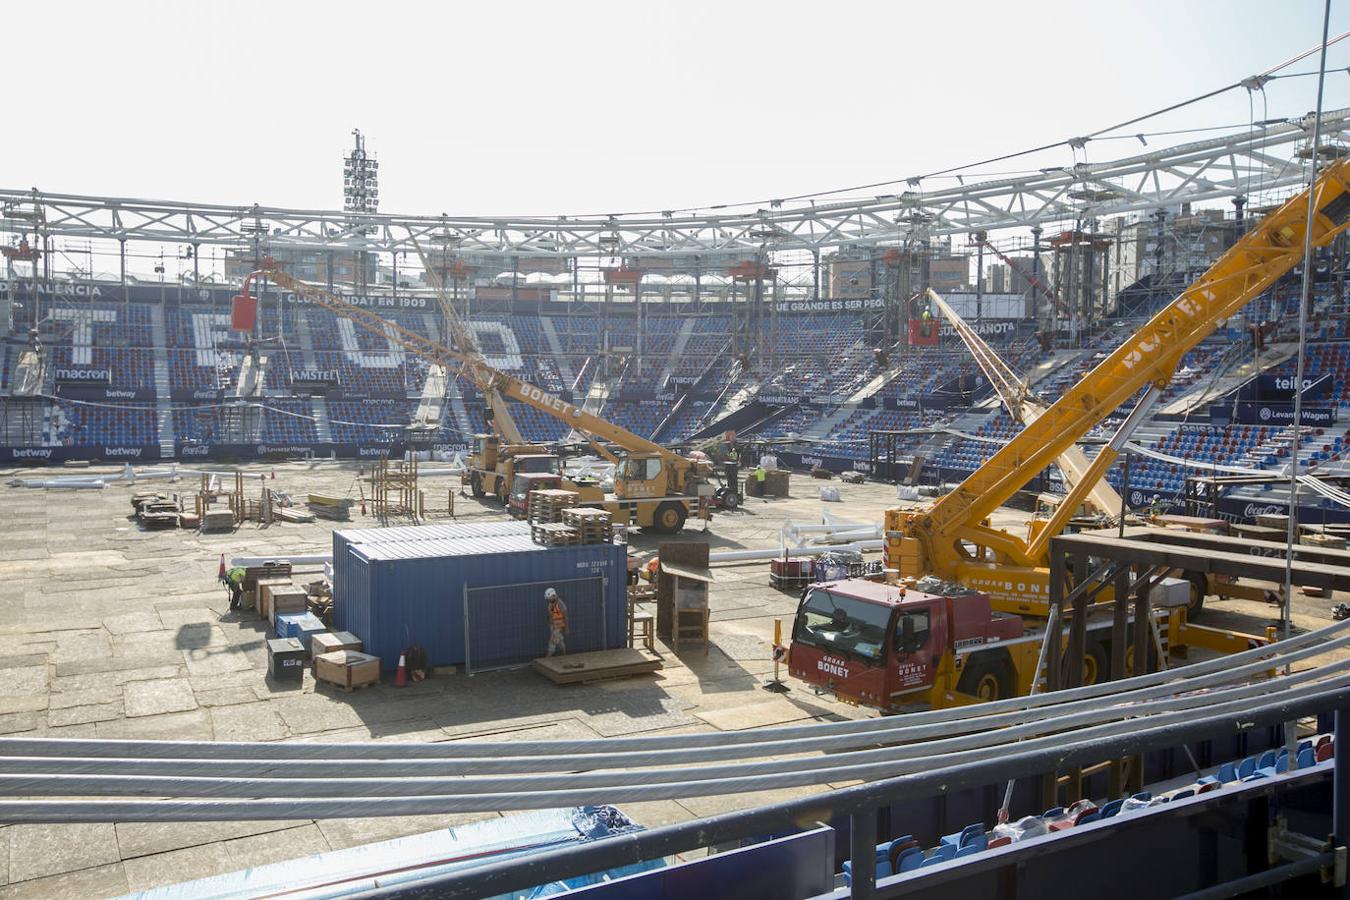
1268 157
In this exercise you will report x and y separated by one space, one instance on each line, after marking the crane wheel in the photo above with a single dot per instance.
1199 588
476 485
669 518
1096 664
989 679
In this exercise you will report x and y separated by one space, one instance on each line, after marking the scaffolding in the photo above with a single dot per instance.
393 490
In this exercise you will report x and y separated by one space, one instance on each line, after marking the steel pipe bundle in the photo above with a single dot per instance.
284 781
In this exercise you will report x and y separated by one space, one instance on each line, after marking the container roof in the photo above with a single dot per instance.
448 531
486 545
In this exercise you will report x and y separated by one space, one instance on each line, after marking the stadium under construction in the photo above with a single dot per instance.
983 538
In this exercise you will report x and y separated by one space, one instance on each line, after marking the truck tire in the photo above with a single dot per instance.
988 677
669 518
1199 588
476 485
1096 663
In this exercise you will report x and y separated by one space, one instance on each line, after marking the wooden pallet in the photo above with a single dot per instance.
548 505
595 526
580 668
554 534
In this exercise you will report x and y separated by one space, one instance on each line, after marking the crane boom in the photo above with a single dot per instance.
476 370
931 540
1023 407
463 339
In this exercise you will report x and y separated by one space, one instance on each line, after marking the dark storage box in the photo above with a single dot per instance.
286 659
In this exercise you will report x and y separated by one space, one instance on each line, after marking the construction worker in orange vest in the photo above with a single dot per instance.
557 623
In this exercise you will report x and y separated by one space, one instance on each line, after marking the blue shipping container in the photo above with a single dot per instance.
345 539
479 601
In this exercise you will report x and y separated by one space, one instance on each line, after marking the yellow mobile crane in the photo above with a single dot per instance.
973 632
952 538
496 459
653 487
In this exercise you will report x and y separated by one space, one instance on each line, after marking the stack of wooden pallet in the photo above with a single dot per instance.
593 525
579 668
339 509
218 519
554 534
548 506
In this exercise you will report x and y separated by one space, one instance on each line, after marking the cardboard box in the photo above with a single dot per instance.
347 669
333 641
284 600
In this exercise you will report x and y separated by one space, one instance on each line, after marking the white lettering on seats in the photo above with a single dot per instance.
368 359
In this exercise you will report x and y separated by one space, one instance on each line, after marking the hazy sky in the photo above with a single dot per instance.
579 108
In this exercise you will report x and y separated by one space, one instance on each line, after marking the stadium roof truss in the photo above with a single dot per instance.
1265 158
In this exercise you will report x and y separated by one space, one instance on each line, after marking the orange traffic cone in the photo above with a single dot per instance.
361 470
221 573
274 474
363 506
401 676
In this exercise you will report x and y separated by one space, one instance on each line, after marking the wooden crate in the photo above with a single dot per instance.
333 641
289 599
347 669
262 593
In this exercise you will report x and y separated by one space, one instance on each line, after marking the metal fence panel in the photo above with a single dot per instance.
508 625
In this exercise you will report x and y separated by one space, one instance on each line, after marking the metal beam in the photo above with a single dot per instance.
1262 158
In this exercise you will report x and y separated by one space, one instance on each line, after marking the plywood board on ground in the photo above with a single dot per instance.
577 668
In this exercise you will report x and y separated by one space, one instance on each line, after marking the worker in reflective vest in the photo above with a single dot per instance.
234 580
759 481
557 623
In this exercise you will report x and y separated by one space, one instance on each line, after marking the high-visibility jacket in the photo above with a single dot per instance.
236 575
557 614
759 474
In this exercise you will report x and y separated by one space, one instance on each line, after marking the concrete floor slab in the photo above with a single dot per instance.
342 833
180 726
247 722
153 698
137 619
150 838
276 846
99 881
36 851
315 712
84 715
144 872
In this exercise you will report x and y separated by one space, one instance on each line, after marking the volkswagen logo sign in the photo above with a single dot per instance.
1264 414
1136 498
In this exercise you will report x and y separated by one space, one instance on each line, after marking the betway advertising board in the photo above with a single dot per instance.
56 455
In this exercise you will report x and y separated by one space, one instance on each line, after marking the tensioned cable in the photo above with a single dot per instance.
887 728
824 753
1267 75
735 778
1327 695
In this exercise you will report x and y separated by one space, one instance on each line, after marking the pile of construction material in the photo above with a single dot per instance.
154 510
338 509
548 505
593 526
554 534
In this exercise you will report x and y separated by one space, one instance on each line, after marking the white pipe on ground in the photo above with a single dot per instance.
73 484
312 559
724 556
